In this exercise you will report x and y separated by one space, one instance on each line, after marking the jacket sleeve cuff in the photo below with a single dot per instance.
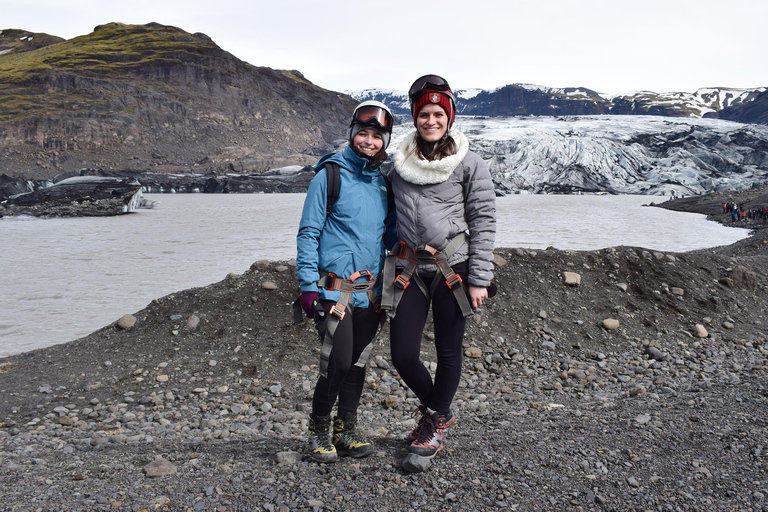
311 287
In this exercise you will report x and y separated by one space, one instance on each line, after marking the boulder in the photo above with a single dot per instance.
159 467
126 321
744 278
571 278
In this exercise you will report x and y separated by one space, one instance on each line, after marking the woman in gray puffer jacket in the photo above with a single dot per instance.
445 204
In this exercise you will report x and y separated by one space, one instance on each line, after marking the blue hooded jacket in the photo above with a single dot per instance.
351 238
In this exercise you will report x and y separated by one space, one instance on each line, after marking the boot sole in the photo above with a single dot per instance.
325 460
343 453
431 456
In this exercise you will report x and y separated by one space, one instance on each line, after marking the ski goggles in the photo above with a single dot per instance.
429 83
371 114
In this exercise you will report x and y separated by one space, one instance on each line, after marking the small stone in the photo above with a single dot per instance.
289 457
268 285
642 419
68 421
610 324
126 321
391 402
699 331
571 278
192 322
159 467
726 281
677 291
654 353
473 352
728 325
415 463
162 378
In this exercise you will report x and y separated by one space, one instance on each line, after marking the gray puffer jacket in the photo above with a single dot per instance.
437 200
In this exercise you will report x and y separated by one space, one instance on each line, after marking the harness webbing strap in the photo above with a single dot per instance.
395 285
338 311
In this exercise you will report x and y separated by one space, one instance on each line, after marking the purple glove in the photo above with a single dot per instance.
307 301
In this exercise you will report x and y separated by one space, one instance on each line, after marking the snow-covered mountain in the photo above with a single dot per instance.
528 99
616 154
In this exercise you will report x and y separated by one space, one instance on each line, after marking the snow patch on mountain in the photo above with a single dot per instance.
704 100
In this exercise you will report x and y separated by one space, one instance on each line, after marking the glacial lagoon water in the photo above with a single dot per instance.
65 278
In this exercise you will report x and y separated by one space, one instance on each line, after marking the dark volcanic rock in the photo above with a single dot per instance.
78 196
292 180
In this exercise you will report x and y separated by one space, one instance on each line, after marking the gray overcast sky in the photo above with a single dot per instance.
609 46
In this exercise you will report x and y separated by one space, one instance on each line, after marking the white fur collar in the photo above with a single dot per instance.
423 172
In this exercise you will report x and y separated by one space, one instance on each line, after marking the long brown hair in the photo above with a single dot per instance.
377 159
442 148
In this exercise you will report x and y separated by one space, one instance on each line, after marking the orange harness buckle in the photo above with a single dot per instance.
402 282
453 281
338 312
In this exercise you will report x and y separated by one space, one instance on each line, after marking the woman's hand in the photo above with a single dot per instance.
477 295
308 300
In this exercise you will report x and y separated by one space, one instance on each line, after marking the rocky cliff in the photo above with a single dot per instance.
155 97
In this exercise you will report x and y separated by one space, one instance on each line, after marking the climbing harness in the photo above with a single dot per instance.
346 287
394 286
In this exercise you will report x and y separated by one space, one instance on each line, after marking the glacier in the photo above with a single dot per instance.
652 155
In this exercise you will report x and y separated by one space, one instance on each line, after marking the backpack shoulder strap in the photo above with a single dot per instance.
333 176
390 195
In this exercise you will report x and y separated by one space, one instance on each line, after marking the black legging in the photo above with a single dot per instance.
345 381
405 344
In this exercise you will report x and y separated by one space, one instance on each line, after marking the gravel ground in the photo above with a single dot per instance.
641 386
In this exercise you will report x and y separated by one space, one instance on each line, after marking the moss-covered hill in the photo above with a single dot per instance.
17 41
153 96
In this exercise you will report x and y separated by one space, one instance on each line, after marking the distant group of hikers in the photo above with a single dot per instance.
742 213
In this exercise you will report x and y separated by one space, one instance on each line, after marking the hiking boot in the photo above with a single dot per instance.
425 412
320 447
346 441
432 434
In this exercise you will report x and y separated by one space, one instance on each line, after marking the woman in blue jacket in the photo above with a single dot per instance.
339 256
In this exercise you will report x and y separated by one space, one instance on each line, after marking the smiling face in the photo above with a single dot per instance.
432 122
368 141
